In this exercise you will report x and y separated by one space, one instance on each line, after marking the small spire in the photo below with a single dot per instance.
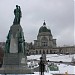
44 24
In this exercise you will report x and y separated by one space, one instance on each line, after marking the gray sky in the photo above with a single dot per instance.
58 14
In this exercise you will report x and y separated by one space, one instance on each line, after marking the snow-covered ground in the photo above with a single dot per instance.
64 58
54 57
66 68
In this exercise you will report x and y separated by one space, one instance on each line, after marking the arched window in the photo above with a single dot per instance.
47 52
40 52
36 52
43 52
44 42
50 51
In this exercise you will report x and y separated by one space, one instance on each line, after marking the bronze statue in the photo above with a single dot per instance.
18 15
16 34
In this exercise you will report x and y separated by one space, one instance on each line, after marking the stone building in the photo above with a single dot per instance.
46 43
67 50
28 47
44 38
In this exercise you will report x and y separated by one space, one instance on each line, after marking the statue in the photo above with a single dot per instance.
18 15
17 35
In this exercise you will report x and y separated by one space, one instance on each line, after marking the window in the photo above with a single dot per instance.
44 42
40 52
47 52
36 52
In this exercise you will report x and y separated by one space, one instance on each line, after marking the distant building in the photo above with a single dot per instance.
1 56
67 50
2 44
45 38
46 43
28 47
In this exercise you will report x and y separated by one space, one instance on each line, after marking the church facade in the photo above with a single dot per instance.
44 38
44 41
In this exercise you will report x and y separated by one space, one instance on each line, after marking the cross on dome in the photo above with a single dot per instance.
44 24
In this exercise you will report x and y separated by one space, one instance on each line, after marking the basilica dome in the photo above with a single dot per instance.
44 28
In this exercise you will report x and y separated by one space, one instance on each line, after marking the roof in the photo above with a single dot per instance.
44 28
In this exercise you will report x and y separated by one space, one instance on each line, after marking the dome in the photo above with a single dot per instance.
44 28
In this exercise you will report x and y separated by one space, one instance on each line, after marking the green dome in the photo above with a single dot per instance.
44 28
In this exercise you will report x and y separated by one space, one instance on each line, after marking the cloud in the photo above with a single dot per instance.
59 16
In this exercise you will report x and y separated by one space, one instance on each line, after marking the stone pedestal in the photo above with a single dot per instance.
12 59
12 64
14 70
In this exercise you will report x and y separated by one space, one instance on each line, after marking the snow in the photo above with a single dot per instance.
53 57
64 58
33 57
66 68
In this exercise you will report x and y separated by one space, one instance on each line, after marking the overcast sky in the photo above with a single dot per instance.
58 14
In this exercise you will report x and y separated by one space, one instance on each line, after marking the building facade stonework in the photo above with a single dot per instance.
44 38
